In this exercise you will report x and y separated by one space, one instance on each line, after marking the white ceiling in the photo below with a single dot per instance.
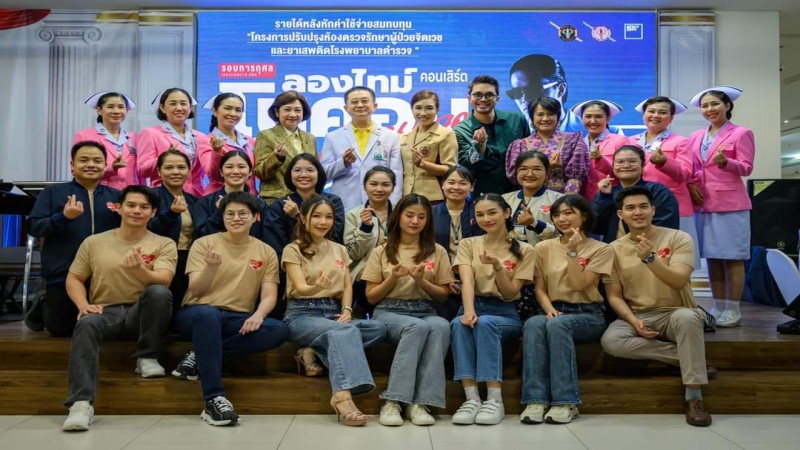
789 23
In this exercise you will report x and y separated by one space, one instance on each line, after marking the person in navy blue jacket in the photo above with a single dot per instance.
453 221
177 216
628 166
235 169
64 215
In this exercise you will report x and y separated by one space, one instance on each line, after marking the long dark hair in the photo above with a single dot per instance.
500 201
576 203
427 238
303 237
217 102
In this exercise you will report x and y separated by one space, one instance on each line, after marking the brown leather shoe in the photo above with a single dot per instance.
711 371
696 413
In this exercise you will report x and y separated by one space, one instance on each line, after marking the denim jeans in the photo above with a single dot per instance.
422 338
549 369
146 320
340 346
215 333
478 351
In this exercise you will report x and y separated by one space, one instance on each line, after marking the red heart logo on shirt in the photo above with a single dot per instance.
583 261
148 259
112 206
664 252
428 265
509 265
544 208
256 264
340 263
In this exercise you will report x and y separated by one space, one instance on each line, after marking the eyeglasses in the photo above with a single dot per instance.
230 215
627 162
530 169
530 91
307 170
479 95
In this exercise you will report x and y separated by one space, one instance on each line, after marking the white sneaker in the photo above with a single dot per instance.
465 415
491 413
561 414
149 368
81 415
534 413
418 414
390 414
729 319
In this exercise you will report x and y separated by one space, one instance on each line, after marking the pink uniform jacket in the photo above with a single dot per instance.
599 168
115 178
209 160
723 189
675 173
156 140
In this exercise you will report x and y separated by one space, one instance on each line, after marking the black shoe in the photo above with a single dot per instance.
34 317
219 412
187 368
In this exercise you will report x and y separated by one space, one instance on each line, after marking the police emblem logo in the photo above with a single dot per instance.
601 33
567 33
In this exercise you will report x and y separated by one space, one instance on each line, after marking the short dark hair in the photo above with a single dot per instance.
541 69
359 88
172 151
485 79
248 200
380 169
149 194
284 98
532 154
576 202
548 103
105 97
218 101
631 148
81 144
462 171
321 177
160 114
619 197
659 99
724 98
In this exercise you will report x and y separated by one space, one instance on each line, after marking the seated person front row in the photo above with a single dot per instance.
403 276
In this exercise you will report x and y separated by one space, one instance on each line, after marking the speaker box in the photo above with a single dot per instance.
775 218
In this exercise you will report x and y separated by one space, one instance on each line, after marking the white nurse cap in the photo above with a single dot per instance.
613 108
209 104
94 99
731 91
679 107
158 96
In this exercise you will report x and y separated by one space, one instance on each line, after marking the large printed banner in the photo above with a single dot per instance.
573 56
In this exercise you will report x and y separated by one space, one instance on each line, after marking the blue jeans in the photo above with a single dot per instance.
549 370
340 346
478 352
422 338
215 333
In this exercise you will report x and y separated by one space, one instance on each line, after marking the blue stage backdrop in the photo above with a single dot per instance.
610 55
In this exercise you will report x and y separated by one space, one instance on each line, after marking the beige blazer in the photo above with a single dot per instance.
268 168
442 149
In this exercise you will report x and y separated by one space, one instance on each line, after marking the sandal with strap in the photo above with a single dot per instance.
346 411
307 362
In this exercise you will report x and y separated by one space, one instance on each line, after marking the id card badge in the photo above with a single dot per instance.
378 156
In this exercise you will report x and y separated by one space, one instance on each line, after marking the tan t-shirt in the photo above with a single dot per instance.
469 252
100 256
551 267
333 260
640 287
237 283
186 235
437 271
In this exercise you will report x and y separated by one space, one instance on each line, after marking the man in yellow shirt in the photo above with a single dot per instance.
130 269
650 290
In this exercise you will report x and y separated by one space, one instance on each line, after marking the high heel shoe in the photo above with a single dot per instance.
306 362
346 411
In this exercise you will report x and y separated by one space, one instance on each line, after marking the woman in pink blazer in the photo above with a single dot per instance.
723 154
174 110
669 160
112 108
599 140
226 110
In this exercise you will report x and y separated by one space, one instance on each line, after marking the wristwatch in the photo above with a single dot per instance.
572 254
650 258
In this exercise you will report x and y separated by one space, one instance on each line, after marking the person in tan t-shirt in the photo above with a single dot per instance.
650 290
319 307
404 276
233 286
130 269
568 270
493 269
